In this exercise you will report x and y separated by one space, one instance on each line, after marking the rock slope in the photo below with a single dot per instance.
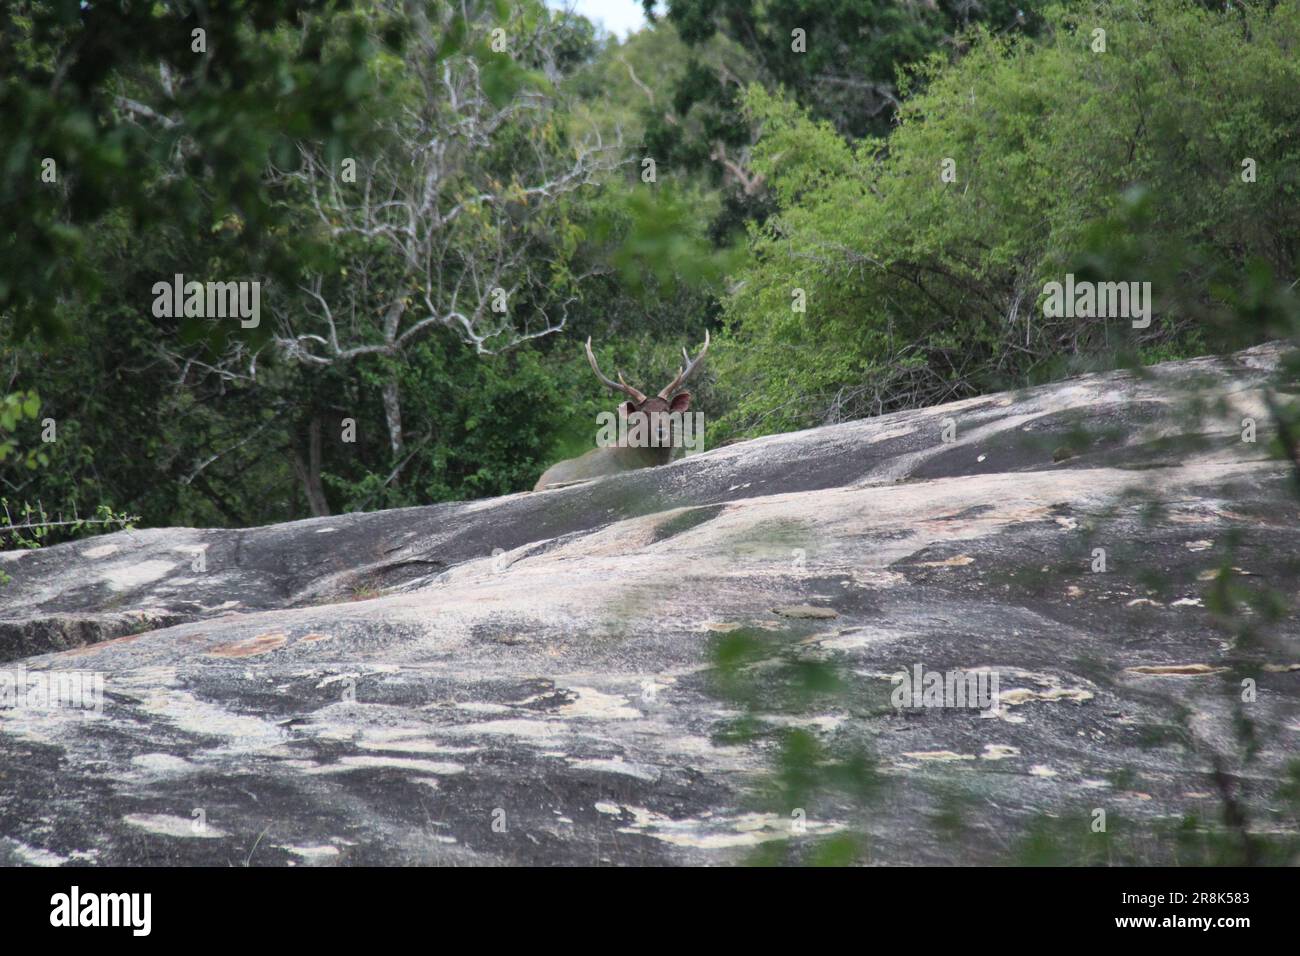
531 679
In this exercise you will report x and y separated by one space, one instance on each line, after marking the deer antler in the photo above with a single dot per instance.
620 385
685 371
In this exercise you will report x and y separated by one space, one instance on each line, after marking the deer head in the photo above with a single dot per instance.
656 409
650 418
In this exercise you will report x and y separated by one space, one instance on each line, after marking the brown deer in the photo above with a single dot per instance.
650 417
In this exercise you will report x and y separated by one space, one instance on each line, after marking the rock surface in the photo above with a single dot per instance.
528 679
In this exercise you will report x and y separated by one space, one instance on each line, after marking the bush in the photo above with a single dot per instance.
920 290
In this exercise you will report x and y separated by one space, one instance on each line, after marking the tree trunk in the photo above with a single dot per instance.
393 413
309 471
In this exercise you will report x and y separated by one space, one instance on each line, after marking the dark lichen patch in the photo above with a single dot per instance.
974 511
772 539
805 612
256 692
400 572
684 521
76 633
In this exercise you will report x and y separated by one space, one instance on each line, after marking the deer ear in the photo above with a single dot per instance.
681 401
626 409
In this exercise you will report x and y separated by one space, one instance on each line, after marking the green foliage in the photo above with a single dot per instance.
624 83
837 59
921 290
768 675
484 428
14 408
852 49
74 89
27 525
662 244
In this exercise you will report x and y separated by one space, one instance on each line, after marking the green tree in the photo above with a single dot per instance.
837 59
922 287
165 112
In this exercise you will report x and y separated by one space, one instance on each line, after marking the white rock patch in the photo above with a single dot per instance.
122 578
165 825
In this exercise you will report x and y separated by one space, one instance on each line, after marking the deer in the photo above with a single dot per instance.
651 417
